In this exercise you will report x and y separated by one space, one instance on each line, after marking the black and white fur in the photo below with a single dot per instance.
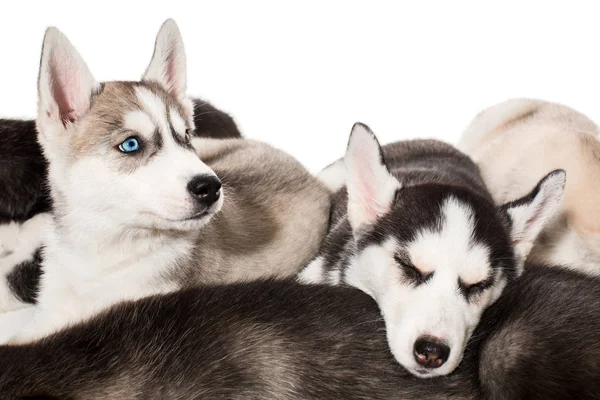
416 229
284 341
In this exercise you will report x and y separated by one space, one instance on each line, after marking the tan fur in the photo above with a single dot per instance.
275 213
517 142
106 113
274 217
133 222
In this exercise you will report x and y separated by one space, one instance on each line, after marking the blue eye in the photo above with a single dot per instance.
129 145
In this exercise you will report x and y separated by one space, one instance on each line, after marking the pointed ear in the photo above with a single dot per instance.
65 84
371 187
168 66
529 214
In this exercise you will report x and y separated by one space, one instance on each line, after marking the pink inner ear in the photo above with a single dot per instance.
60 83
172 72
537 212
369 199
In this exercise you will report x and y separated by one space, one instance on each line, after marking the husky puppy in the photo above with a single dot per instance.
23 175
135 210
280 340
416 229
518 141
26 200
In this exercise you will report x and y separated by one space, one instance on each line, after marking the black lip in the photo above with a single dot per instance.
197 216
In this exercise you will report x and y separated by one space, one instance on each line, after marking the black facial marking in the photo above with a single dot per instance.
158 140
181 141
431 173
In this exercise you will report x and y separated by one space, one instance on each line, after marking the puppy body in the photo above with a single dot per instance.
518 141
137 206
25 207
414 227
281 340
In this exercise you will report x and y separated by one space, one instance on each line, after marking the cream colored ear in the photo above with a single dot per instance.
529 214
371 187
168 66
65 83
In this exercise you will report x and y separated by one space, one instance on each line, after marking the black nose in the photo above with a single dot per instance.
431 352
206 189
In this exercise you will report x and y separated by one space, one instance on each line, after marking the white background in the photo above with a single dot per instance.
299 75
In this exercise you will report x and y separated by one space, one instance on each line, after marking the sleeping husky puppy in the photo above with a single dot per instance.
517 142
280 340
135 210
416 229
23 181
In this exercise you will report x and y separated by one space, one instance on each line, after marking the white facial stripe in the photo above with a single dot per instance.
450 251
177 122
374 270
476 267
435 308
139 121
154 106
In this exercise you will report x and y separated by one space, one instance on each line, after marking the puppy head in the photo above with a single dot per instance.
121 150
434 257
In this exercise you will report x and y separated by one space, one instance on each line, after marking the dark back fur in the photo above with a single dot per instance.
543 338
281 340
419 161
23 168
213 123
22 172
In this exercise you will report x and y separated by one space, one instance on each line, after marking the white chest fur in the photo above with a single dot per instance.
83 277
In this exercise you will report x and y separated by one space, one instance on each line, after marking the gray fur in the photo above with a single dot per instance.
280 340
273 220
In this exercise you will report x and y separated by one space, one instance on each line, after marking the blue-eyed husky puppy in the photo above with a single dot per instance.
415 227
25 203
141 207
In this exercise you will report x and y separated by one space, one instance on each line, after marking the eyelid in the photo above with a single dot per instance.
126 134
483 283
404 260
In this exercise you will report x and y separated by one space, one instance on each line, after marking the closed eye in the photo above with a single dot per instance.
412 272
474 289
